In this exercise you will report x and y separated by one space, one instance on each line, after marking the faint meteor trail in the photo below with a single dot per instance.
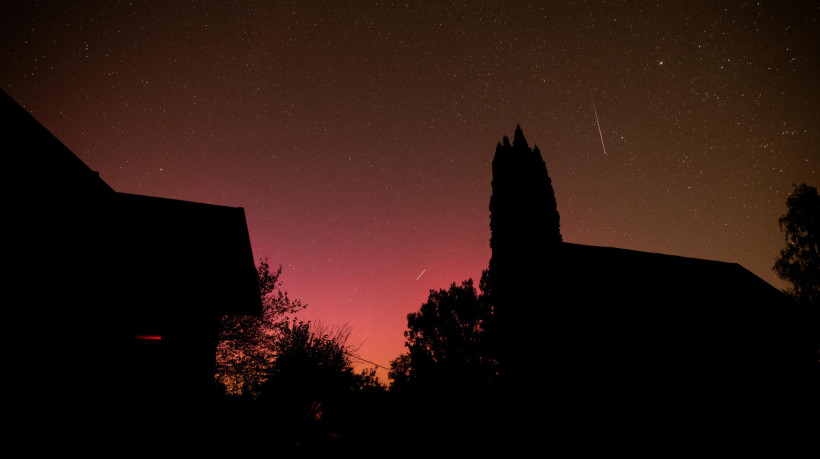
422 273
599 125
329 222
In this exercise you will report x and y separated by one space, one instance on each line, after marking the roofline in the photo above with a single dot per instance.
644 252
731 265
66 153
180 201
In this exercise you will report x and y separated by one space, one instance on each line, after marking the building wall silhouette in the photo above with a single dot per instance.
628 345
95 272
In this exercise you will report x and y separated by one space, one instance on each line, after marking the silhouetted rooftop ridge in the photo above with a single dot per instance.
635 252
656 260
183 202
29 146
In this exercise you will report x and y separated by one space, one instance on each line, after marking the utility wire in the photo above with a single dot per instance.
365 360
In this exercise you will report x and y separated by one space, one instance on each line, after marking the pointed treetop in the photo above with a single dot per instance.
506 141
518 140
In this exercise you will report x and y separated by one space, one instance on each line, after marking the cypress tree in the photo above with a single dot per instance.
525 235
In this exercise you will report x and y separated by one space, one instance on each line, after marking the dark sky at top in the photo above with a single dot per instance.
358 136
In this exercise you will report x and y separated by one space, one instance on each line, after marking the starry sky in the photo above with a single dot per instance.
358 136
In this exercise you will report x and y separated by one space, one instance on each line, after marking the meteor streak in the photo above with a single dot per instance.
331 221
422 272
599 125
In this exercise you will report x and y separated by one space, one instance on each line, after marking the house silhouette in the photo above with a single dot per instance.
641 350
118 297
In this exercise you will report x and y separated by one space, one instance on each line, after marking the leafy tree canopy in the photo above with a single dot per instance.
314 362
799 261
448 341
276 350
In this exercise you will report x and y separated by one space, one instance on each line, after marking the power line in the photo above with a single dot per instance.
365 360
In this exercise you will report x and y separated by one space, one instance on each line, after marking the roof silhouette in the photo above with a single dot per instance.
95 270
34 151
635 348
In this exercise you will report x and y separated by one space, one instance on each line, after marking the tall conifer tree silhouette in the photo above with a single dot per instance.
525 233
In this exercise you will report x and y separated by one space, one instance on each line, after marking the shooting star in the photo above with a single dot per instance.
329 222
599 125
422 273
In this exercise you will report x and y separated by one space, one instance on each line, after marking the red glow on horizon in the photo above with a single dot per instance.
149 337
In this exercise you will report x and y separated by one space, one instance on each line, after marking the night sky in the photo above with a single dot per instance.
359 136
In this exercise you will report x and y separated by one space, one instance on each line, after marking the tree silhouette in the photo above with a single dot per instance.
289 382
444 387
523 210
253 351
246 350
525 233
313 362
309 389
799 261
448 342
